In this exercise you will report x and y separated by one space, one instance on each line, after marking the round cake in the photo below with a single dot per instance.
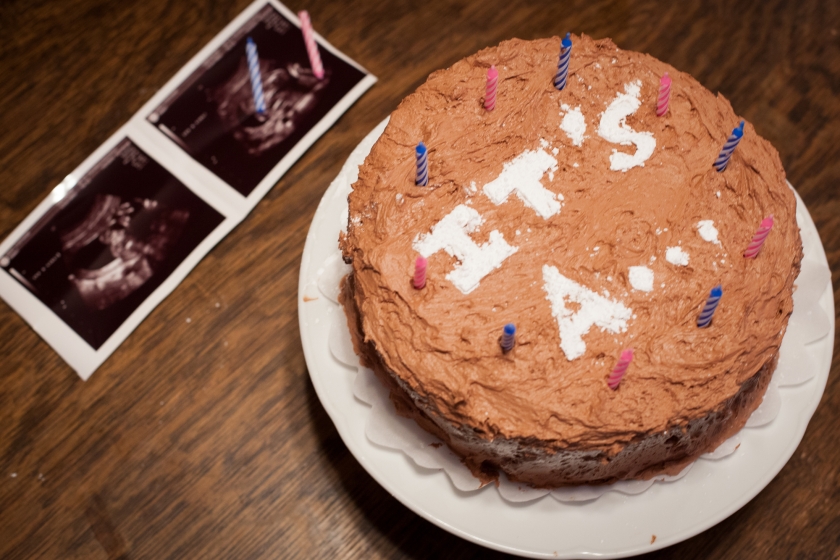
594 226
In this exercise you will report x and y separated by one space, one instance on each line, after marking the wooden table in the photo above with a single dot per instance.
202 435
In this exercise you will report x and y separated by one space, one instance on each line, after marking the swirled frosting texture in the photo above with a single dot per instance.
442 346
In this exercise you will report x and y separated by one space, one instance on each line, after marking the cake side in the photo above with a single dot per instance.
530 462
439 346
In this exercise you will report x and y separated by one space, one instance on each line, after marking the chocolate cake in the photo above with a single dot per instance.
594 226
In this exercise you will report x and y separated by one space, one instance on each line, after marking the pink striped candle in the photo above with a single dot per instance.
490 93
664 95
759 237
620 369
420 272
311 45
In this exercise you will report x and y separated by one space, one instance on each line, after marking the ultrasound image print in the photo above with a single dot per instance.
95 256
212 115
291 94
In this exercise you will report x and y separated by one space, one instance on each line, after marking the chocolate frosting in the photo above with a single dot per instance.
442 345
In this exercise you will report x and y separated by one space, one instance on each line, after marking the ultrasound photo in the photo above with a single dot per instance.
213 116
96 255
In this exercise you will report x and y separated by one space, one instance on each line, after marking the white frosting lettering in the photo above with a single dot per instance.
523 174
614 128
574 124
606 314
451 234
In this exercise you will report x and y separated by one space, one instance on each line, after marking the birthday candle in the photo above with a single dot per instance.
311 45
759 237
508 337
705 318
563 64
726 153
254 71
420 272
490 93
422 178
664 95
620 369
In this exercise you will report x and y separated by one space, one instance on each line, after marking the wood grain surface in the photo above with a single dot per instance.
202 436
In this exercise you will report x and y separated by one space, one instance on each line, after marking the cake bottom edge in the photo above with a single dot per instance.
661 453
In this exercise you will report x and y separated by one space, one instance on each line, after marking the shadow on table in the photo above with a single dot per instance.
384 515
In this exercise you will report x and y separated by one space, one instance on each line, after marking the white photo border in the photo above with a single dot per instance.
234 207
80 355
161 147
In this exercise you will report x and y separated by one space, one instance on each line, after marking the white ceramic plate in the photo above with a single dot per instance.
615 525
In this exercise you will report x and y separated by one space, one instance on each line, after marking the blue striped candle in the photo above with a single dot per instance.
256 80
508 337
422 177
726 153
563 64
705 318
